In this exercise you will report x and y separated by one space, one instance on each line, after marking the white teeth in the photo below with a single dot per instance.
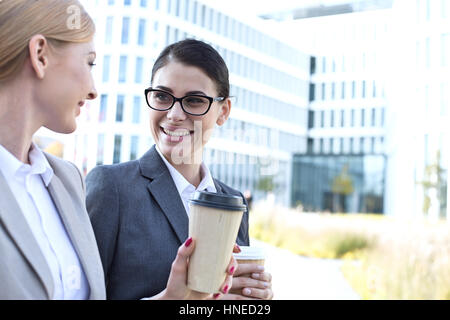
178 133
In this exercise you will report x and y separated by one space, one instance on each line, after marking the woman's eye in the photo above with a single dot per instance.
161 96
92 64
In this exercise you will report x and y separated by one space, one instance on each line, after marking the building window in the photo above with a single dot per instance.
322 118
363 116
310 119
139 68
203 17
110 2
136 109
352 118
361 145
373 117
123 69
144 3
119 109
100 148
103 108
343 90
323 91
141 32
134 147
332 119
126 2
342 118
125 30
372 145
109 30
312 92
363 89
353 89
194 12
106 67
117 148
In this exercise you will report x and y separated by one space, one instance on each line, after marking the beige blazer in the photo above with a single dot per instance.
24 273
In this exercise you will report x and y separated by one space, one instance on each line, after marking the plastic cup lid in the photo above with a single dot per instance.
218 201
250 253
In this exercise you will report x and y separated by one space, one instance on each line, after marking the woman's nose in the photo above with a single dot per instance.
92 94
176 113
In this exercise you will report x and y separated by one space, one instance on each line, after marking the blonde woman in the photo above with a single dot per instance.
47 245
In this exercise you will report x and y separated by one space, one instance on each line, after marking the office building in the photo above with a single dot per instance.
269 80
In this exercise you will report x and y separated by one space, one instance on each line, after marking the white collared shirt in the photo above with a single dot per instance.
185 189
28 184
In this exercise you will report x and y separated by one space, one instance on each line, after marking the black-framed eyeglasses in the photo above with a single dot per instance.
193 104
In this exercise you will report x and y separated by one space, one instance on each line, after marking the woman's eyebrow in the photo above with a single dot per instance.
197 92
164 88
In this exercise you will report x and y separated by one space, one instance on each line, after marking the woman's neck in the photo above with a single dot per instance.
17 124
191 172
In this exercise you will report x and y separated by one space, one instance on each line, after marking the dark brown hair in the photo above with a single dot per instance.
199 54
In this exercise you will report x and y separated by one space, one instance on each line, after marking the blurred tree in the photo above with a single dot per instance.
341 187
433 184
266 184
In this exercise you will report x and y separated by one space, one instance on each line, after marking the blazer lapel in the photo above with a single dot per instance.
17 226
74 226
165 193
217 185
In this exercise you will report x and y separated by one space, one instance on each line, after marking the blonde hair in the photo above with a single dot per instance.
60 21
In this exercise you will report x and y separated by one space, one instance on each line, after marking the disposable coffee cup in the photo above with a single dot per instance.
214 221
255 255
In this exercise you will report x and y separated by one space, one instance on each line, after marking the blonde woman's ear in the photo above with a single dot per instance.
38 49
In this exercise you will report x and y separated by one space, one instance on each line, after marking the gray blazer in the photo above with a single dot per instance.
24 273
139 221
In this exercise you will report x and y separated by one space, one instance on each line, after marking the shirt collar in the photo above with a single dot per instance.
39 164
207 182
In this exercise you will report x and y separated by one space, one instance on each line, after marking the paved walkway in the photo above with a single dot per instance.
300 278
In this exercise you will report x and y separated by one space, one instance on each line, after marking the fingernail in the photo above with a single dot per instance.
247 291
260 268
255 275
232 270
225 290
216 295
188 242
239 248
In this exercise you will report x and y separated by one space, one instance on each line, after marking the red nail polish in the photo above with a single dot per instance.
232 270
216 295
225 290
188 242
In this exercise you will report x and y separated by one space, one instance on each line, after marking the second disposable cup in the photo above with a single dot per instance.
214 221
255 255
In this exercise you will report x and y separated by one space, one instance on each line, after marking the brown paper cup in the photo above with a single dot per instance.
255 255
214 221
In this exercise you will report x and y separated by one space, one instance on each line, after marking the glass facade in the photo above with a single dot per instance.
347 183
